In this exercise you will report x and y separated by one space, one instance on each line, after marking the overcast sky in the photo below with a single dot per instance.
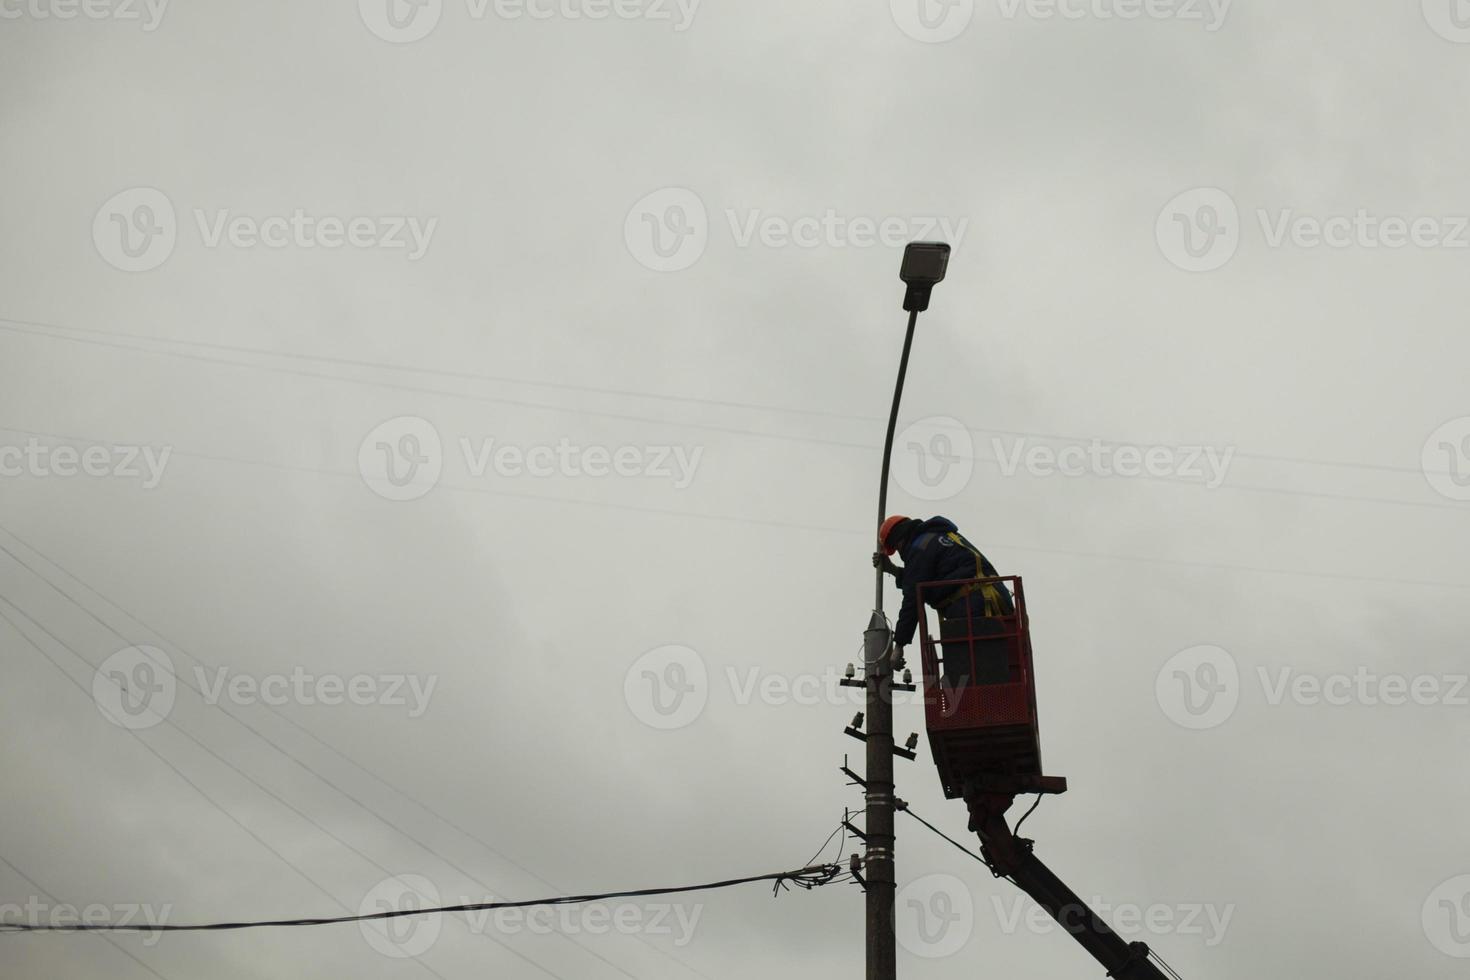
441 440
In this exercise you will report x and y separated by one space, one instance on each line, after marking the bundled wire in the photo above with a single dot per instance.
808 878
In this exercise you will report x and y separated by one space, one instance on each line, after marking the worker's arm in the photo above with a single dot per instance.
919 570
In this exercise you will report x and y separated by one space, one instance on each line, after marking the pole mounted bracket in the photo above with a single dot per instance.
863 682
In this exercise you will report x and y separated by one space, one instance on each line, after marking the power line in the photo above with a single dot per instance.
180 773
49 330
968 853
291 755
288 755
261 786
807 878
841 828
416 801
112 941
788 437
18 326
785 525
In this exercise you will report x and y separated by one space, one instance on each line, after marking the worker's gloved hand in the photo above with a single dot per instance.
898 662
880 560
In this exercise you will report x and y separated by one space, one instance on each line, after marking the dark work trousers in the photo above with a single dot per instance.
969 657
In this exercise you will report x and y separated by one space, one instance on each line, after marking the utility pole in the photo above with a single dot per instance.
924 264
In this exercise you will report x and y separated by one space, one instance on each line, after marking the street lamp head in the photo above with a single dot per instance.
924 264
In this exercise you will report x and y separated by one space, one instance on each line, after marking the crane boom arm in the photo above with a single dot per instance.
1012 857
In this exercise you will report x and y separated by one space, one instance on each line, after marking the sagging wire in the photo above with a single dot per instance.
814 876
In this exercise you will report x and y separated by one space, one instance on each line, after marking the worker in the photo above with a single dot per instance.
935 551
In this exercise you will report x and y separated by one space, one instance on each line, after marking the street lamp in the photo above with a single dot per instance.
923 268
924 265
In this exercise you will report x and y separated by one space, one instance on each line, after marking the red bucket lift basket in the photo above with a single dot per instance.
979 690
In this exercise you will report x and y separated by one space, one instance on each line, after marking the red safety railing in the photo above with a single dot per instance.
979 687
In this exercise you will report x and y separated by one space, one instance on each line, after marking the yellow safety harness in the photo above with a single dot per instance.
993 606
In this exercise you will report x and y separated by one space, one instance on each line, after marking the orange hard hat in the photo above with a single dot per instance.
887 529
